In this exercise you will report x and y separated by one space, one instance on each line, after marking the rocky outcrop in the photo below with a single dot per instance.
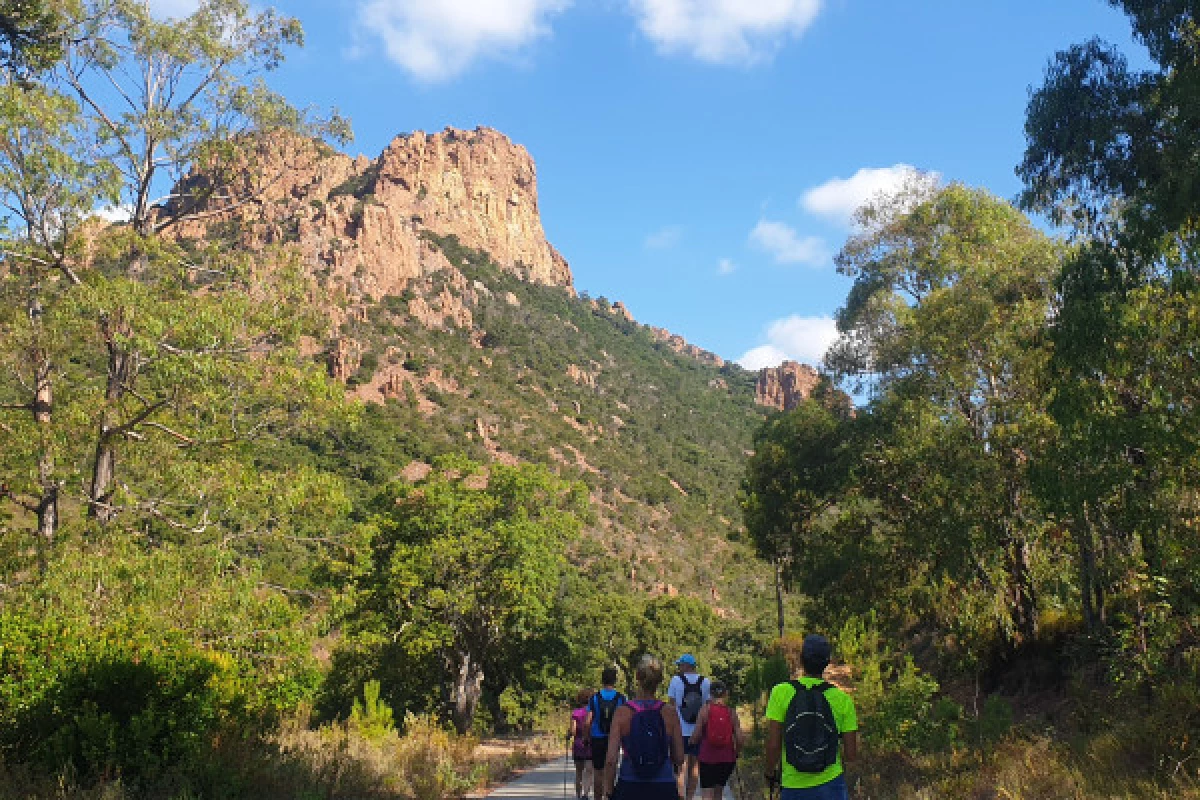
685 348
364 223
786 386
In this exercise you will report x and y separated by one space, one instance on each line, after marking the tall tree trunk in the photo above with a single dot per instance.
1022 597
1022 594
43 409
468 686
43 406
1086 542
779 597
104 470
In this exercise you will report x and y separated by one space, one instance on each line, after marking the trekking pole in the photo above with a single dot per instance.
566 769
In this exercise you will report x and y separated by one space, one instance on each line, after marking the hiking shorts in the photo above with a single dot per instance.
834 790
715 774
599 752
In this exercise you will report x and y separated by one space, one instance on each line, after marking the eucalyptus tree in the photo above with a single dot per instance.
181 111
177 348
1113 151
50 179
946 321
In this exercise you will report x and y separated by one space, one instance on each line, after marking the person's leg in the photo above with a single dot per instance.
834 790
692 768
599 754
580 769
588 779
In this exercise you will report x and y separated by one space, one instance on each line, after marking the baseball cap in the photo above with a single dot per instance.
687 658
816 648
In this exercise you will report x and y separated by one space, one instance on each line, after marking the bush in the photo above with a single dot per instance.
109 707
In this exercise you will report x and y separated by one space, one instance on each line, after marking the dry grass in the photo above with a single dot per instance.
335 762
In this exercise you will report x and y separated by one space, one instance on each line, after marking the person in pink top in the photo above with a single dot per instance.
580 740
718 734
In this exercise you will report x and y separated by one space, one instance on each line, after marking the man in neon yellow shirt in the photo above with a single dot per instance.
820 720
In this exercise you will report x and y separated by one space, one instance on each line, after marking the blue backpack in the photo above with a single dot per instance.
647 747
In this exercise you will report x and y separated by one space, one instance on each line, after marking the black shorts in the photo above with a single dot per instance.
599 752
629 790
714 775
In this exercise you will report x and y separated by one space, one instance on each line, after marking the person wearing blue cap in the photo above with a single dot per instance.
811 731
689 692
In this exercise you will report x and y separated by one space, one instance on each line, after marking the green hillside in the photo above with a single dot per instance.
659 438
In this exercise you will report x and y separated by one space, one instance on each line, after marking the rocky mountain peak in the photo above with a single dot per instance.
364 222
786 386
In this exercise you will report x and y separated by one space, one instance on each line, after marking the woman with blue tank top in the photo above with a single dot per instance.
659 781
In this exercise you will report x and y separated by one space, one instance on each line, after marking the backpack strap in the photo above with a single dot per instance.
822 687
637 706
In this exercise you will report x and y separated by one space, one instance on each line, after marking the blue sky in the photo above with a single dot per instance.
689 151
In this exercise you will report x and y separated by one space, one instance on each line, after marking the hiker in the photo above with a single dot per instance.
648 732
807 719
579 737
688 692
718 737
602 707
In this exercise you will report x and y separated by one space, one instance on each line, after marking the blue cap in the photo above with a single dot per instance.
687 658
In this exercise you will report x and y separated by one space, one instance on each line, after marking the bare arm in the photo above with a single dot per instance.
620 728
737 731
774 755
698 731
675 731
849 747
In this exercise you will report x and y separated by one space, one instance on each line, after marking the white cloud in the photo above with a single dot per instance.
724 31
665 238
839 198
173 9
726 267
788 247
794 338
436 40
114 214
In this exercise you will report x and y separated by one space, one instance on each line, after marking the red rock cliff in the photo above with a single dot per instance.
786 386
363 219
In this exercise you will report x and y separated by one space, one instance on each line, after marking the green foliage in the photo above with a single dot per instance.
360 187
104 677
911 718
464 569
29 35
372 718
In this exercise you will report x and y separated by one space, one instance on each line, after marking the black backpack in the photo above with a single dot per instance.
692 700
604 710
647 746
810 734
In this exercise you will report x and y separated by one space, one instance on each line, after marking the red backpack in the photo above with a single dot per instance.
719 729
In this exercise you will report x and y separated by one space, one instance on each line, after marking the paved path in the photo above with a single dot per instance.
547 781
541 783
